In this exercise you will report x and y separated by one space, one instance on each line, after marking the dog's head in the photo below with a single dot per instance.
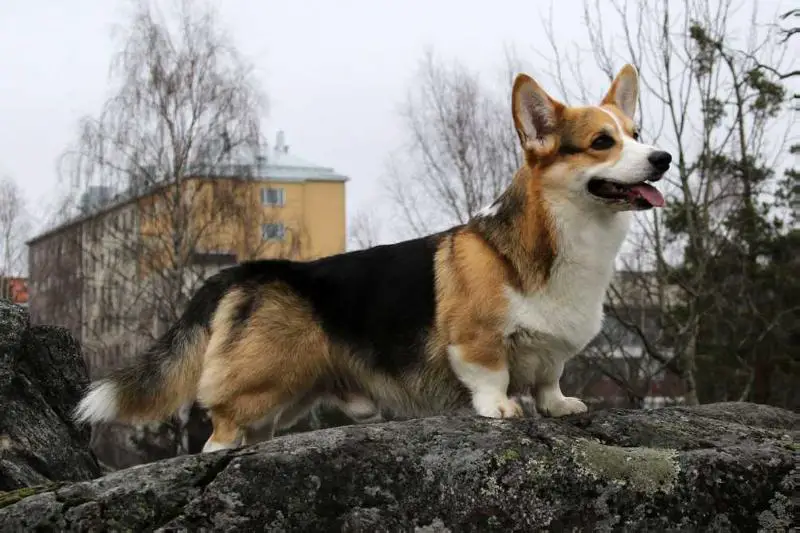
592 154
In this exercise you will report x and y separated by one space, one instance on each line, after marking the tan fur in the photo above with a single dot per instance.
537 251
470 304
266 366
581 127
628 125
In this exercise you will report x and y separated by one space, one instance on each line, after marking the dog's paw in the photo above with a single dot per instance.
566 405
494 406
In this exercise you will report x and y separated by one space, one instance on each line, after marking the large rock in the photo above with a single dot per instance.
722 467
42 376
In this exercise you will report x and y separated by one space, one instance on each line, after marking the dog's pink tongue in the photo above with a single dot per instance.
649 193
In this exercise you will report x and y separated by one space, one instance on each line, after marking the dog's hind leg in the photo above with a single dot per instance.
226 435
250 418
265 355
259 433
285 417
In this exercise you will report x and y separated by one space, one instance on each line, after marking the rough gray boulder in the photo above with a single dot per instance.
722 467
42 376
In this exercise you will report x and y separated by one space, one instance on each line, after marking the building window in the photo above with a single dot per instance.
272 197
273 231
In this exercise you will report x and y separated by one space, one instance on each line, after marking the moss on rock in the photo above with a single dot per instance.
10 497
643 469
508 455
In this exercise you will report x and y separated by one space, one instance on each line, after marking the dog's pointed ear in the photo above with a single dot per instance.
624 91
536 114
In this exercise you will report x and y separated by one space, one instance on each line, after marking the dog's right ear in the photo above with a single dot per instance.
536 115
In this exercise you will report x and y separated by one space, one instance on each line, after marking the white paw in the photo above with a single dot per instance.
212 446
361 408
494 406
563 406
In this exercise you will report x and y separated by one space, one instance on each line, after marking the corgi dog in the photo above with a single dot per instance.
465 318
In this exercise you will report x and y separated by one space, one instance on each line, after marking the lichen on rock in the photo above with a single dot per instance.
641 468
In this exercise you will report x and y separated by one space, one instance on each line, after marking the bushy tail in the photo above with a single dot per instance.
153 386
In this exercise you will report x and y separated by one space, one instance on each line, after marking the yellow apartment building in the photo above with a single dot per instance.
119 273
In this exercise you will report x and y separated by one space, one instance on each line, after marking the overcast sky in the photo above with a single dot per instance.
335 71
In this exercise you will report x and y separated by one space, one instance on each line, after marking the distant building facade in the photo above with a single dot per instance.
117 272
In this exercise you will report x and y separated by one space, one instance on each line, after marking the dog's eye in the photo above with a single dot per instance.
635 135
603 142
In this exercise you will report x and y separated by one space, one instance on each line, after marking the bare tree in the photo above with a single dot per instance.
14 228
185 112
365 230
167 177
461 150
785 34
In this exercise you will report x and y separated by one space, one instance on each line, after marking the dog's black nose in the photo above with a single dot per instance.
660 160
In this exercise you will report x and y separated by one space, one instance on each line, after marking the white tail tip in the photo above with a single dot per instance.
100 404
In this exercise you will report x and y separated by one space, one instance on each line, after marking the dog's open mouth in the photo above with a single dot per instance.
641 195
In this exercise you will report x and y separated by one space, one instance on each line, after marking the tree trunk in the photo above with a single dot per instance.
688 366
762 378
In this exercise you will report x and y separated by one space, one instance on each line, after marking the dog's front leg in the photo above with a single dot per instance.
481 365
550 401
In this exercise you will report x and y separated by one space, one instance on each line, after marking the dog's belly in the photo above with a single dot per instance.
398 400
427 389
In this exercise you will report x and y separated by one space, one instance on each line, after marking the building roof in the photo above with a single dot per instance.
280 166
276 164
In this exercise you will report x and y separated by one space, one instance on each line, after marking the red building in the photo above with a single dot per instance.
14 289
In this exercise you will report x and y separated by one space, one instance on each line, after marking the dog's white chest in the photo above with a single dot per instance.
560 322
564 315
